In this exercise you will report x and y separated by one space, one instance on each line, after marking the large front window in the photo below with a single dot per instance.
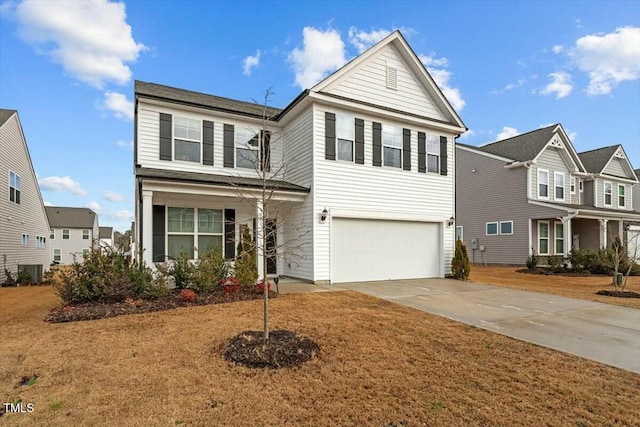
392 146
607 194
543 184
191 237
247 147
345 131
433 153
187 135
543 238
559 237
14 187
558 178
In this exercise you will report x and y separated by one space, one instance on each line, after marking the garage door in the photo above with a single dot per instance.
633 242
367 249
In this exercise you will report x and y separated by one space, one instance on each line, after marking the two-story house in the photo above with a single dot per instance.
74 231
106 237
361 173
534 194
633 228
23 223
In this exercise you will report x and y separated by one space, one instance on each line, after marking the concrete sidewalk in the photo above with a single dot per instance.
606 333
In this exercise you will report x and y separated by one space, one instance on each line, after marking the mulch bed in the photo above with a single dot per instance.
283 349
619 294
547 272
102 310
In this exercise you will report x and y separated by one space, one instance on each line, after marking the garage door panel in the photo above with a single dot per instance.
363 250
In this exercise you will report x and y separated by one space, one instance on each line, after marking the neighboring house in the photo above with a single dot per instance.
633 228
24 229
74 231
106 237
534 194
363 162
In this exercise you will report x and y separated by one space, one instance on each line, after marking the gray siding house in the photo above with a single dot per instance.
534 194
24 229
106 237
74 231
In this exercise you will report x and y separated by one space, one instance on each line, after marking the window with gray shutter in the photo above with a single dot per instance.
329 136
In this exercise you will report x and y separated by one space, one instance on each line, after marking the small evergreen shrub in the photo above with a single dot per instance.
187 295
532 262
210 268
246 269
23 278
460 264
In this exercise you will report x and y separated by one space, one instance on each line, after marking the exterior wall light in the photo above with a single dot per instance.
451 221
323 215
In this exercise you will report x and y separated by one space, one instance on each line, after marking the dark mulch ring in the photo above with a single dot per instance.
558 272
102 310
283 349
619 294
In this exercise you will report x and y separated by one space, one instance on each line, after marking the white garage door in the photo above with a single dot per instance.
367 249
633 242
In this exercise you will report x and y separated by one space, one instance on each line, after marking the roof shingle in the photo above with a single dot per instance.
63 217
5 115
522 147
595 160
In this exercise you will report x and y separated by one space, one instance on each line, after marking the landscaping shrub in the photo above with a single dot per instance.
554 262
460 265
532 262
210 268
182 271
246 270
187 295
230 285
23 278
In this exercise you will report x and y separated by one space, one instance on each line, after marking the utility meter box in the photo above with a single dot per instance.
474 244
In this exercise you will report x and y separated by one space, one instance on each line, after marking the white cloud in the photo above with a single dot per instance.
90 39
362 40
93 205
507 132
121 215
113 196
441 76
572 135
125 144
251 62
119 105
608 59
558 49
467 134
521 81
322 53
46 203
61 184
561 85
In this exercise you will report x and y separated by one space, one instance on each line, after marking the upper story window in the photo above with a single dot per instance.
621 196
345 131
573 185
607 193
14 187
392 146
85 234
187 135
25 239
543 184
433 153
558 178
65 234
247 147
52 235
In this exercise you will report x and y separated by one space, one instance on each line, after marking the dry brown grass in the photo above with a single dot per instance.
379 363
574 287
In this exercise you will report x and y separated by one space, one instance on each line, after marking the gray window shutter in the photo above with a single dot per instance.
443 155
165 136
377 144
265 153
406 149
229 233
329 136
158 251
422 152
229 137
207 143
359 154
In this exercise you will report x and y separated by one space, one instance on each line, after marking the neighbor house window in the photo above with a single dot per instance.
185 233
459 233
14 187
621 198
543 184
392 145
543 237
573 185
187 134
559 237
492 228
85 234
25 239
85 253
41 242
607 193
56 255
506 227
247 146
65 234
558 178
52 235
433 154
345 132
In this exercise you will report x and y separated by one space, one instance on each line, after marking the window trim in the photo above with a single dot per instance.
237 130
572 184
555 238
196 232
59 255
17 189
500 228
547 238
486 228
604 193
187 139
556 186
347 118
461 232
540 171
52 234
87 234
436 141
68 233
25 239
393 147
622 205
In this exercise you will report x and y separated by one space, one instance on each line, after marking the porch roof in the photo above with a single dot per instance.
586 210
217 180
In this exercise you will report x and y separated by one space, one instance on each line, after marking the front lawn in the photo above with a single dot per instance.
379 363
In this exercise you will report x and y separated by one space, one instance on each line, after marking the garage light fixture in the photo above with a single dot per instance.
451 221
323 215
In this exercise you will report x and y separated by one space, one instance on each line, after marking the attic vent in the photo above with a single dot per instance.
392 77
556 143
619 153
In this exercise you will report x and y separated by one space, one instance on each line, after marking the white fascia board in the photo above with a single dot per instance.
575 156
615 178
575 168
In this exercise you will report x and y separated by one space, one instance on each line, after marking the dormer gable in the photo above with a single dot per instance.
609 161
560 141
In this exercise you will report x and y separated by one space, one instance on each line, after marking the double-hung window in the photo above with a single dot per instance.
345 131
621 196
85 234
543 184
185 233
607 193
392 146
559 237
52 235
573 185
247 148
14 187
543 237
433 154
558 178
25 239
65 234
187 134
56 255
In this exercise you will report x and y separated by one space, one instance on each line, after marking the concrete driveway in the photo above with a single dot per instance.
606 333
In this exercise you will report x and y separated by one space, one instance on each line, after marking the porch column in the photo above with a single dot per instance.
567 236
147 227
259 237
621 231
530 250
603 233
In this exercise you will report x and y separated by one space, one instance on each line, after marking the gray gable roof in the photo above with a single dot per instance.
62 217
198 99
105 232
595 160
522 147
5 115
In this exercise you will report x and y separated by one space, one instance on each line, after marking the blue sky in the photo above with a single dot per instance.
506 67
